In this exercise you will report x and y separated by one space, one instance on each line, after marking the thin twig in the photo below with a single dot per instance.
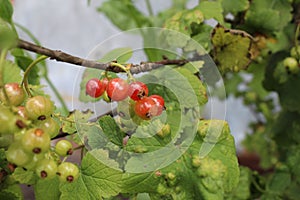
64 57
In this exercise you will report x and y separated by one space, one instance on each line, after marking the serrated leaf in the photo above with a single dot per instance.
6 10
121 55
96 181
196 84
211 10
47 189
182 22
147 182
200 39
124 14
111 130
234 7
11 72
75 117
27 177
231 49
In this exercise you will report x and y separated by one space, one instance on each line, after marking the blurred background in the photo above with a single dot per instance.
76 27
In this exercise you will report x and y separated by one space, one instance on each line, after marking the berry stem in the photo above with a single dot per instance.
26 73
127 70
296 39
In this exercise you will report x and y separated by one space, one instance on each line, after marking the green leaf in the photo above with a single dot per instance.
27 177
255 85
23 61
13 192
111 130
96 181
123 14
74 118
47 189
121 55
218 142
242 191
11 72
235 7
231 49
147 182
6 10
201 35
211 10
196 84
257 17
182 22
212 176
8 38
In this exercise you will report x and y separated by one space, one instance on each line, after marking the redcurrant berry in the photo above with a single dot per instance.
117 89
10 123
145 108
15 93
50 126
36 141
68 172
160 103
39 107
95 87
15 154
46 169
137 90
63 148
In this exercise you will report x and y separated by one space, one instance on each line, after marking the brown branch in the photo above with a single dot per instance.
67 58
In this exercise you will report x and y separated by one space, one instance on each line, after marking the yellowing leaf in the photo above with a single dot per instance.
231 49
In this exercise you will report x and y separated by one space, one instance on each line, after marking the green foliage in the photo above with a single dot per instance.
231 49
6 11
124 14
8 37
177 155
234 7
11 72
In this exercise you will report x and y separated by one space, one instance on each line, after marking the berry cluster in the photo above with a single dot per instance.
28 127
118 89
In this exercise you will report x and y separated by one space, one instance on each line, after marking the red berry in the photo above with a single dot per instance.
95 87
145 108
160 103
15 93
117 89
137 90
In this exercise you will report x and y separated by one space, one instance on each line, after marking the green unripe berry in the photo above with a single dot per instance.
39 107
63 148
291 64
50 126
9 122
46 169
68 172
36 141
15 154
